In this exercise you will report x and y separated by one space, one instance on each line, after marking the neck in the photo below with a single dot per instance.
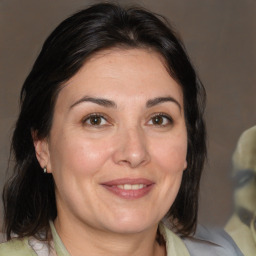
79 239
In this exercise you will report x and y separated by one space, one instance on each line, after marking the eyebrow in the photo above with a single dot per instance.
159 100
111 104
99 101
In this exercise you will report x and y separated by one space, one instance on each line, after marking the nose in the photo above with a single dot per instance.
131 148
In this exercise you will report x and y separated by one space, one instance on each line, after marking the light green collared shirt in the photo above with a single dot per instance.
24 247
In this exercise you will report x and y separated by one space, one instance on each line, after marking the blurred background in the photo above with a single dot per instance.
220 37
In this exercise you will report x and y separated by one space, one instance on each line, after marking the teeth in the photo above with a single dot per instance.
131 187
127 186
141 186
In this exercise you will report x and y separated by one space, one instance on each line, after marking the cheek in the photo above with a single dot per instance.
171 155
78 156
170 161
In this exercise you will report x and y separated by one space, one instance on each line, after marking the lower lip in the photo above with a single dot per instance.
129 194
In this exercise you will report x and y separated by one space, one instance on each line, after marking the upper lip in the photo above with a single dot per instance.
131 181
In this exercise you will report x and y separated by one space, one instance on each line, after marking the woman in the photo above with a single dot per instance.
110 141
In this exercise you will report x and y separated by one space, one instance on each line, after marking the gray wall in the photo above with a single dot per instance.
221 40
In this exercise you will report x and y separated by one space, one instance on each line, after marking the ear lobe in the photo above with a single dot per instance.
42 151
185 165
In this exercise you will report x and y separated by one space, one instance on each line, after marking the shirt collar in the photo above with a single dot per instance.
174 244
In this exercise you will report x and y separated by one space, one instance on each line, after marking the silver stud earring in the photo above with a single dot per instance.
45 169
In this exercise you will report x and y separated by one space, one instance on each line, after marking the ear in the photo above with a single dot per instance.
185 165
42 151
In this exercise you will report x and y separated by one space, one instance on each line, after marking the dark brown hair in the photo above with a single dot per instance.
29 196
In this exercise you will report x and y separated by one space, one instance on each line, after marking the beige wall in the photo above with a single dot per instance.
221 40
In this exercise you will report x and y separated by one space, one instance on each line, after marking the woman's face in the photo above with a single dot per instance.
118 142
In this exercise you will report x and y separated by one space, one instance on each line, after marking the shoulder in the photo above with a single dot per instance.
211 242
16 247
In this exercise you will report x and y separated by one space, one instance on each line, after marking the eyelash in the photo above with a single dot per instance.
95 115
103 117
162 115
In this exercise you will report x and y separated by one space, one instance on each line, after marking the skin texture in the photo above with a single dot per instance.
127 141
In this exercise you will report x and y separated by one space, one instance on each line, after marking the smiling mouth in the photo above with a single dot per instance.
129 188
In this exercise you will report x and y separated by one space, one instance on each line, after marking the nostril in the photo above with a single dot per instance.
131 149
131 160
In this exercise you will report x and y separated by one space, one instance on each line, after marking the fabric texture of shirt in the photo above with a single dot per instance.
205 242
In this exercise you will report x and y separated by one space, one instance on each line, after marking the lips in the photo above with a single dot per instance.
129 188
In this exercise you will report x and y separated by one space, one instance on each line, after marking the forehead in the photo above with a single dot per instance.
122 73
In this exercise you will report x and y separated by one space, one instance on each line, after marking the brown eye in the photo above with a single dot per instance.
157 120
160 120
95 120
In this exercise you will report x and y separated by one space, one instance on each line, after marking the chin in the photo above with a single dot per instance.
131 225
